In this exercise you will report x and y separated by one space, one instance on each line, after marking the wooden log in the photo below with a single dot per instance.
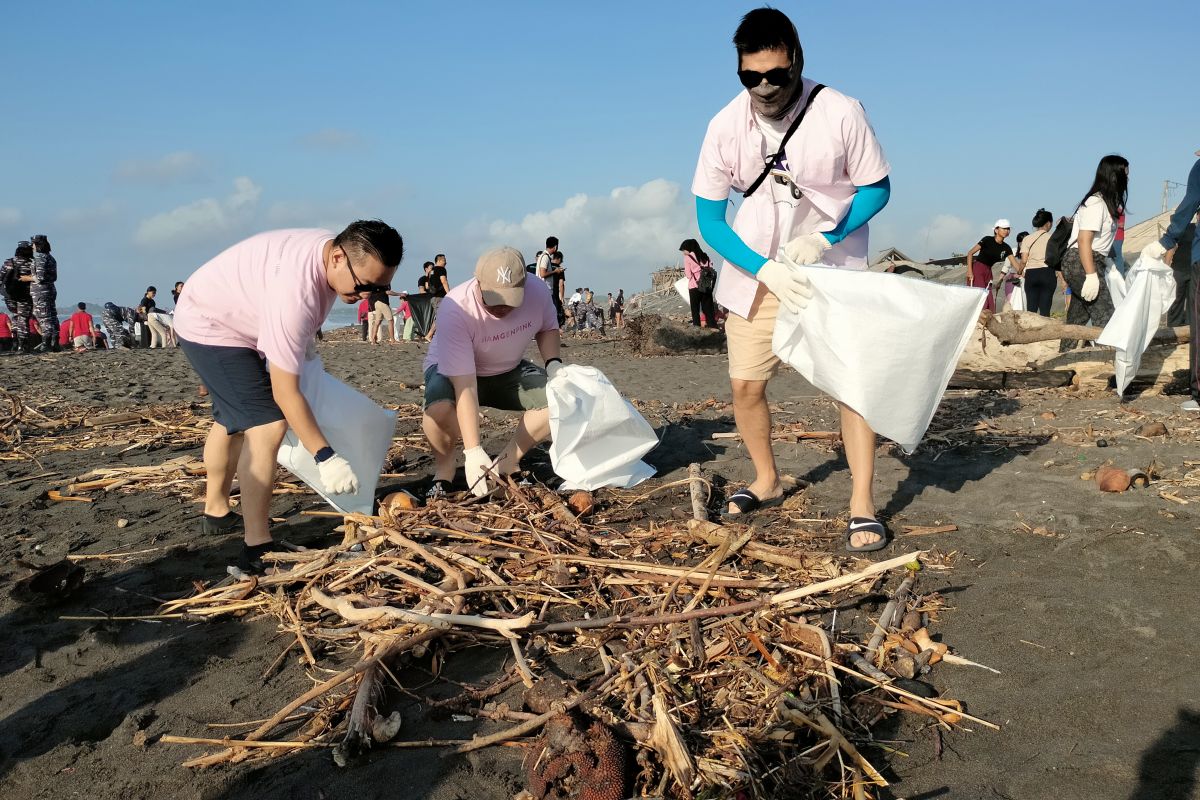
989 379
1025 327
109 420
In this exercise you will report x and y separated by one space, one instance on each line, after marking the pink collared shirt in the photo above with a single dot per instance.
268 293
833 151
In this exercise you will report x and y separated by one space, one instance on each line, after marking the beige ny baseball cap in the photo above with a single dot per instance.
501 276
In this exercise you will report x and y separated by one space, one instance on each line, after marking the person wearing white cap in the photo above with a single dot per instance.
983 257
477 359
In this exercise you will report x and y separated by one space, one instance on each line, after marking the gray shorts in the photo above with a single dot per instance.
522 388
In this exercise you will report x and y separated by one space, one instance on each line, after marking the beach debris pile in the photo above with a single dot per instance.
674 658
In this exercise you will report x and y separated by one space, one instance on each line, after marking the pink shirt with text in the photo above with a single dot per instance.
268 293
470 341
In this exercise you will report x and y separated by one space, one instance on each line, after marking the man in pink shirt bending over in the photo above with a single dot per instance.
484 327
245 323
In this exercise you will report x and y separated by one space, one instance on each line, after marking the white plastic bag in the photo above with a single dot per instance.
882 344
597 438
357 429
1151 290
681 286
1016 299
1117 283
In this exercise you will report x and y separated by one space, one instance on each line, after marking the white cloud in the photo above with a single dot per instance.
627 233
85 219
10 216
169 169
202 219
333 139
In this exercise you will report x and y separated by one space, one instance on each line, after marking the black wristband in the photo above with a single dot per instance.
324 454
552 359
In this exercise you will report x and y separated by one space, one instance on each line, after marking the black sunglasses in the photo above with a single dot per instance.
776 77
359 286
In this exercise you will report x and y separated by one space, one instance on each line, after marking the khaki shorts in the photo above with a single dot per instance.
749 340
383 310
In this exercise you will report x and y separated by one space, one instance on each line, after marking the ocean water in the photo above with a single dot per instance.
340 315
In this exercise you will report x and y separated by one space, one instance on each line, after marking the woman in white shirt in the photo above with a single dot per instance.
1091 242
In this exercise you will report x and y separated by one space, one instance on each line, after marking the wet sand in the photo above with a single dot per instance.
1085 602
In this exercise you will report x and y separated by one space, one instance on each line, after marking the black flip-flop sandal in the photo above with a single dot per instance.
212 526
868 525
747 502
438 490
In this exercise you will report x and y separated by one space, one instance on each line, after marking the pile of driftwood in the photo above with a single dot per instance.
29 430
676 660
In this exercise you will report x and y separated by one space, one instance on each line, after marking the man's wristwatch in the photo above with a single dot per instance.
324 454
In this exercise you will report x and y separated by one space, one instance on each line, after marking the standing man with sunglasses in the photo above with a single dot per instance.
806 161
245 324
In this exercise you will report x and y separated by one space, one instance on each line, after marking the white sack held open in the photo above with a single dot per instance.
1150 292
884 345
597 438
357 429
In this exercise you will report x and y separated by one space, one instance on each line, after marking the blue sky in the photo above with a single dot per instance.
156 134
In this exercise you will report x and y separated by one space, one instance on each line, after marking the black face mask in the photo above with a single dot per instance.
773 93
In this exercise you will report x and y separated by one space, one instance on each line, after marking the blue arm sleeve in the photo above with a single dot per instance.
714 229
868 201
1184 213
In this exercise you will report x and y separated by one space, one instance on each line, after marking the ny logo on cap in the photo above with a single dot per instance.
504 274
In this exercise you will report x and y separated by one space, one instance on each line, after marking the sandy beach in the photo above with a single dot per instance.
1083 601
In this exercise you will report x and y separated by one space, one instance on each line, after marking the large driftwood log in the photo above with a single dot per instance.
1025 327
997 379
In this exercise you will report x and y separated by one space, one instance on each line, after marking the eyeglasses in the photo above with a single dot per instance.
776 77
359 286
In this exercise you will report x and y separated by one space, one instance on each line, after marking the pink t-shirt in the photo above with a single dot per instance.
691 269
268 293
833 151
470 341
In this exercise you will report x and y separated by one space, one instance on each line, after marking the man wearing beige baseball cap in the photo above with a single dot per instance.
478 359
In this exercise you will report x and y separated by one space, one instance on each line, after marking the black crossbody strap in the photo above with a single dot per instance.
795 124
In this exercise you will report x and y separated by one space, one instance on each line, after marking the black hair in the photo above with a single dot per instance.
442 256
1111 183
150 289
556 256
693 247
768 29
178 284
82 306
1020 237
551 241
427 264
24 250
40 243
373 237
1042 217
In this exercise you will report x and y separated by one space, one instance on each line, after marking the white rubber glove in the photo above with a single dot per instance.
1091 287
478 462
552 369
788 283
337 476
1154 250
807 249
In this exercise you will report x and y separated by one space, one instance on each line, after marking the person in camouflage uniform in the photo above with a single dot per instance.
44 294
112 318
16 275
